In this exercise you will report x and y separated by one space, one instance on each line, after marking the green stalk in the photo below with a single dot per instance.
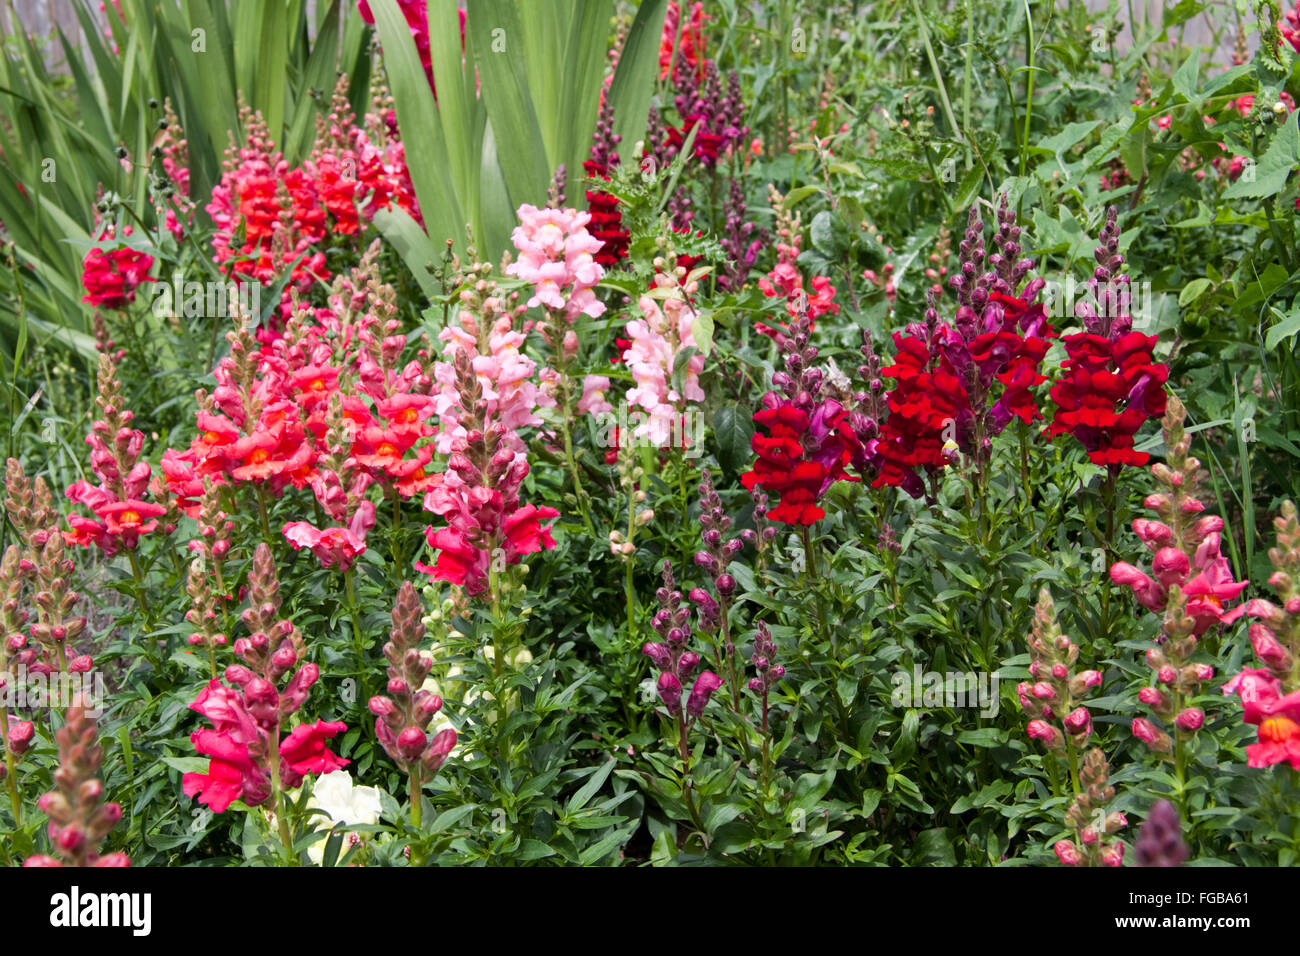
934 66
1029 86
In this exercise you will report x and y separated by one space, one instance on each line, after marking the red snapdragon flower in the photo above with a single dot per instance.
1109 391
800 457
112 275
1276 715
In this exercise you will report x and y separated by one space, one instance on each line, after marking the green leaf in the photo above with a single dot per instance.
1269 176
634 80
1193 291
1286 327
733 429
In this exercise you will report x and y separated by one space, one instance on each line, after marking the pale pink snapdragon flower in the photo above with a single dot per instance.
657 339
556 256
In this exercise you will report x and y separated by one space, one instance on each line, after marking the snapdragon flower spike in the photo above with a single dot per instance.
657 340
1189 584
676 665
487 395
121 513
742 239
960 383
557 256
404 714
786 281
56 629
1112 383
1270 695
111 272
1051 698
1160 841
606 220
768 671
810 439
14 652
211 548
681 46
1094 828
249 712
80 818
30 507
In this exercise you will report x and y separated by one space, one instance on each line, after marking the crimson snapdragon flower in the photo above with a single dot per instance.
959 384
248 758
1112 383
111 275
810 439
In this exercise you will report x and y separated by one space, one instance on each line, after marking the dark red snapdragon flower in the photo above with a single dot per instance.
1113 384
810 438
606 221
959 384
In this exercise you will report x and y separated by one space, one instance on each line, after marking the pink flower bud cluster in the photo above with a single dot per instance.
207 607
13 649
121 513
247 755
677 665
1160 841
405 713
80 818
1189 583
1270 695
1094 828
1051 696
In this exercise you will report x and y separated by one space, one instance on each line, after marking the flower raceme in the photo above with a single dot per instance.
1112 383
1270 695
248 758
1189 585
112 275
810 439
121 513
1052 698
557 256
958 384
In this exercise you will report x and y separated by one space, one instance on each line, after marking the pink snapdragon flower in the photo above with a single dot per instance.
656 341
556 254
1189 584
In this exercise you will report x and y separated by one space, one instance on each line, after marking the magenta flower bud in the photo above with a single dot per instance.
1153 697
1166 675
1151 735
382 706
756 685
1156 534
1087 836
686 665
703 689
238 673
410 743
1059 671
284 658
1267 647
260 691
398 687
670 692
1191 719
1033 668
1113 855
21 735
1170 566
1067 853
1083 681
1043 690
658 654
676 636
81 664
1155 658
439 749
428 705
1078 721
776 672
1051 737
70 838
725 584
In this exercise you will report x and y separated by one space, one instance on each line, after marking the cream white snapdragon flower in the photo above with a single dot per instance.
345 802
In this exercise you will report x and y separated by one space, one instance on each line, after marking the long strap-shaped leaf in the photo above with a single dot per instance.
426 150
633 83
